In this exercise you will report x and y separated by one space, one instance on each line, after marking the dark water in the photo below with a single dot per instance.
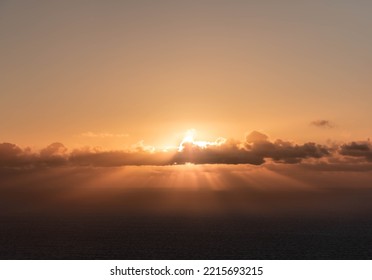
184 238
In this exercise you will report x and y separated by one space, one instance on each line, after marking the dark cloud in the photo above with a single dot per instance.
54 150
9 151
256 149
54 154
283 151
13 156
357 149
118 158
322 123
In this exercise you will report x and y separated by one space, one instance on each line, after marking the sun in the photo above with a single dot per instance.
190 139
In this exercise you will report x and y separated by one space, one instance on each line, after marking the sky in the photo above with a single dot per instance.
115 73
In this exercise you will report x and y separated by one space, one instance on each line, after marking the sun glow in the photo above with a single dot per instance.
190 139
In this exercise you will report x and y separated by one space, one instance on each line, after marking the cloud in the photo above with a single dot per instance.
9 154
255 149
118 158
12 156
357 149
141 147
322 123
54 154
9 151
256 136
54 150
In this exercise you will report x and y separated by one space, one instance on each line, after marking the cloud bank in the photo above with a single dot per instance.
255 149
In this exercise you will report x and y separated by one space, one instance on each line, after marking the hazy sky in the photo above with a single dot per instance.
113 73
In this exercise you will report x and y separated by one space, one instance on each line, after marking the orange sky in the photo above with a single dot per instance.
112 73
